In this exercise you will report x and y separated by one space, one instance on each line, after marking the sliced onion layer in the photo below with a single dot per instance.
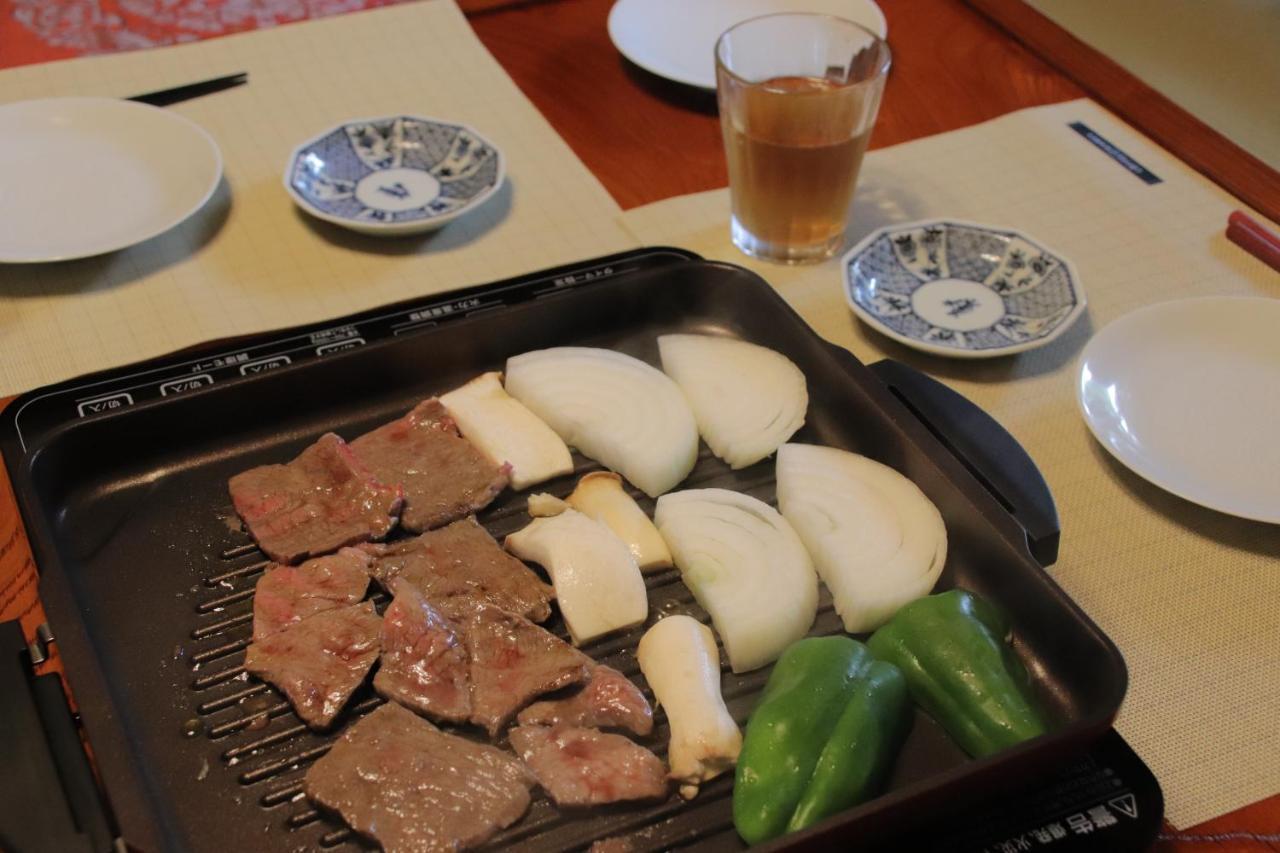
616 409
747 399
875 538
601 496
746 567
598 584
506 431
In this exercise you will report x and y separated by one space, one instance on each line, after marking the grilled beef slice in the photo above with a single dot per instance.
608 701
288 594
322 500
512 661
461 564
319 661
444 476
424 662
399 780
586 767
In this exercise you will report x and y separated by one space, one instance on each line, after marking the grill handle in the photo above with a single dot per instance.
49 800
985 448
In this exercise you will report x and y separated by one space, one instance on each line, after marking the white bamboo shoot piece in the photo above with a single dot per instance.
597 581
679 660
506 431
601 496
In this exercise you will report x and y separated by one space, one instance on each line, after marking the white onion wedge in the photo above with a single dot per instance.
746 567
679 660
506 431
601 496
747 399
875 538
597 581
616 409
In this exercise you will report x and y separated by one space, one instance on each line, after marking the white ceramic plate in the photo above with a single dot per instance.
1187 395
676 39
84 176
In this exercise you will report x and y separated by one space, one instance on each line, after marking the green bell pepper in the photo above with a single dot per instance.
856 758
951 648
818 739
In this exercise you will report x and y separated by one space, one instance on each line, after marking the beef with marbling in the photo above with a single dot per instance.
319 661
397 779
424 664
288 594
608 701
587 767
443 476
514 661
459 565
322 500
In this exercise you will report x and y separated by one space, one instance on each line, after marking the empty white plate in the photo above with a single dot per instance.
83 176
1187 395
676 39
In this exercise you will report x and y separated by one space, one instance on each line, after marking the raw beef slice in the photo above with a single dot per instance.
320 661
585 767
288 594
424 659
462 564
399 780
444 476
322 500
608 701
512 661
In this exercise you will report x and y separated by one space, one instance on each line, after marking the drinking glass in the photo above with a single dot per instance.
798 98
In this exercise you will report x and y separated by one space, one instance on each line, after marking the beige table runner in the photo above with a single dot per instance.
1192 597
249 260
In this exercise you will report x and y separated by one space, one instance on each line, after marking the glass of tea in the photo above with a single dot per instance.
798 98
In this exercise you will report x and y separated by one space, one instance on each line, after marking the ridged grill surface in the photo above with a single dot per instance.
266 749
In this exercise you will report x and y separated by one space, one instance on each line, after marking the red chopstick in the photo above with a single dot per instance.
1250 235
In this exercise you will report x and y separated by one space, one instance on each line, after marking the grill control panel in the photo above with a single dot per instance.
219 363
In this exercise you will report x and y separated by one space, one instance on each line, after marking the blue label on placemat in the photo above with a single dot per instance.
1114 153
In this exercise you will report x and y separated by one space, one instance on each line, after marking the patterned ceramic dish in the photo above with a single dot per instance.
394 175
960 289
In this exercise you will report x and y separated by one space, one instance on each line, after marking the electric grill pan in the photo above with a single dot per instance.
148 580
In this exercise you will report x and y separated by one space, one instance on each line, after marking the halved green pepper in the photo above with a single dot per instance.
951 648
861 748
828 724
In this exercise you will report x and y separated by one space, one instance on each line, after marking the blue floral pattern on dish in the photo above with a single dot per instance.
399 170
962 289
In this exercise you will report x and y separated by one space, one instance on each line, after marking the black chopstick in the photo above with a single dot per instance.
165 97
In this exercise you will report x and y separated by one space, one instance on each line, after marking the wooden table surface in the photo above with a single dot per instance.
647 139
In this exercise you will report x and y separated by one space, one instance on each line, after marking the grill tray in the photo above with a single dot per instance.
148 580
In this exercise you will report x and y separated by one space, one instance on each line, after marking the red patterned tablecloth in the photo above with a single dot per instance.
41 30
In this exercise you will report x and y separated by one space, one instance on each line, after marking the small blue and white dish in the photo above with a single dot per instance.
394 175
960 289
